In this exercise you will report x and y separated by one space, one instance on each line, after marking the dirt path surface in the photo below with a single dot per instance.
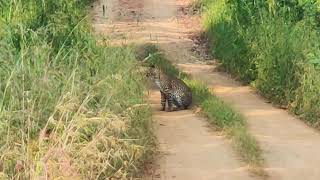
189 149
290 147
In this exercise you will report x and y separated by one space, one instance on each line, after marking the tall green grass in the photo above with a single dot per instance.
271 44
69 108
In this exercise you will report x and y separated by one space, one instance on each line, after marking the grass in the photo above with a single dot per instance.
226 119
69 108
220 114
272 45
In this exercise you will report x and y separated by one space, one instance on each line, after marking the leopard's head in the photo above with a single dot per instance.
154 74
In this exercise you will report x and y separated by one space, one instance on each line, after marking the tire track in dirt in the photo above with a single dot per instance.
189 149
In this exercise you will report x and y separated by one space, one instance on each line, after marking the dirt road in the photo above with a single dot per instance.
189 149
290 147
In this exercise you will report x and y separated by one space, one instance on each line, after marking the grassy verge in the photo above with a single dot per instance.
226 119
220 114
273 45
69 108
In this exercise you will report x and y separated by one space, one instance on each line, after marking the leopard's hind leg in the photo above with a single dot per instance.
177 102
170 100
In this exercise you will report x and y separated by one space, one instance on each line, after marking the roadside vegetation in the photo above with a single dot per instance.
69 108
219 113
273 45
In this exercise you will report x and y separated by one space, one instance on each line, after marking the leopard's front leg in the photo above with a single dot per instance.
170 101
163 101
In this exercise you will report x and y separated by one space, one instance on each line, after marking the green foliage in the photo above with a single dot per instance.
63 98
222 114
200 92
230 43
272 45
52 18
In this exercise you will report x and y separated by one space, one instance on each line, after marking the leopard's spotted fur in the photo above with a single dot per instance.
173 90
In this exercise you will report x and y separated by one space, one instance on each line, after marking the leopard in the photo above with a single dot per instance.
173 90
